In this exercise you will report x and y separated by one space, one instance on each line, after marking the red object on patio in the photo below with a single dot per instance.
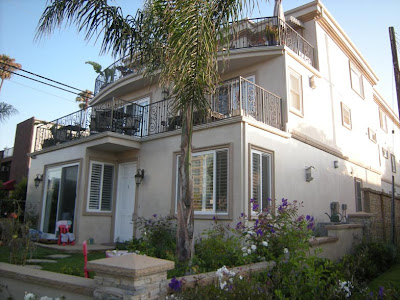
8 185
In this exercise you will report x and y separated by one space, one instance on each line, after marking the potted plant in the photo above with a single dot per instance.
272 35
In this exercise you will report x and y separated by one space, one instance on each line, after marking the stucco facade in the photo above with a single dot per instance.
332 121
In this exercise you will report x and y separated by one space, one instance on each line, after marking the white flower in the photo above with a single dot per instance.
249 251
240 277
253 247
231 280
222 285
251 232
244 249
265 243
244 254
29 296
285 250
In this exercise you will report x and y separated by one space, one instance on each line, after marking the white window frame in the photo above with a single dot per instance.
99 210
356 80
383 120
347 110
300 93
213 212
270 155
372 135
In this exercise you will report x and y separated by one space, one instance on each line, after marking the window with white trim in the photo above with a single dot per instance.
346 116
385 153
295 93
261 181
100 191
356 80
210 181
382 120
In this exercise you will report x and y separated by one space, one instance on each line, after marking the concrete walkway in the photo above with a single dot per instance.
76 248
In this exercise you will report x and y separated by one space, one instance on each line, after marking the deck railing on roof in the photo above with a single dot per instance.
257 32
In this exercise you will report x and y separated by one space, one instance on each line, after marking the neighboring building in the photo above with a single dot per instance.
297 116
15 162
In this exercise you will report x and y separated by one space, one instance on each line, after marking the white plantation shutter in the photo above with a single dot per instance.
101 187
261 177
210 181
95 187
106 197
256 178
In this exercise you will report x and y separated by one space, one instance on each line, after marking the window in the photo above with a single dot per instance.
346 116
382 120
356 80
100 187
372 135
210 182
261 181
385 153
393 161
358 187
295 91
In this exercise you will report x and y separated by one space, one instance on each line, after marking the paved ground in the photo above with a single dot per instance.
77 248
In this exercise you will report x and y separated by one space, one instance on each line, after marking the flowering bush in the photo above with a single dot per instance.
157 239
271 237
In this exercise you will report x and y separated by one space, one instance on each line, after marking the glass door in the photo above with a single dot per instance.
59 198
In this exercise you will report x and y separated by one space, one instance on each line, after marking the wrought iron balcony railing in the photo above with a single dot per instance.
236 97
258 32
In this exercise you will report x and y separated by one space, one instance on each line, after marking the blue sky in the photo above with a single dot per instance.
62 55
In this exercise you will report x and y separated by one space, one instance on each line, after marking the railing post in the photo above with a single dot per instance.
240 96
112 113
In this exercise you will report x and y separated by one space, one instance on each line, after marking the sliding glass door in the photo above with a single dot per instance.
59 198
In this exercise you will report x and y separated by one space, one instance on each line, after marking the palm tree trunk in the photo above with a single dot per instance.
185 226
1 83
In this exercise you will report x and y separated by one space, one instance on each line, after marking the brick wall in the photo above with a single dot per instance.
379 205
22 146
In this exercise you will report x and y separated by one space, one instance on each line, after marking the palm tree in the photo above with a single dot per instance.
177 39
7 66
6 110
83 98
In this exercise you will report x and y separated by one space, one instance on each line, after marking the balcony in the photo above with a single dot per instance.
236 97
258 32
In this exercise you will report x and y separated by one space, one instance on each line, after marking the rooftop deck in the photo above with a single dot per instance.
258 32
236 97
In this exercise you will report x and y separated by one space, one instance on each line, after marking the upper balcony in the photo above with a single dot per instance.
258 32
236 97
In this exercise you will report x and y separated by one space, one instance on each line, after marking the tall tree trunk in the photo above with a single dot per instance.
1 84
185 226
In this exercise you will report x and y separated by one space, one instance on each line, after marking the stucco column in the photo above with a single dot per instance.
131 277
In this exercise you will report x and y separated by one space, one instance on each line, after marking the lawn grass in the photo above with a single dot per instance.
391 278
72 265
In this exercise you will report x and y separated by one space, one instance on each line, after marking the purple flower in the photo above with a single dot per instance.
242 215
214 218
255 206
155 216
175 284
239 225
308 217
251 200
260 232
381 290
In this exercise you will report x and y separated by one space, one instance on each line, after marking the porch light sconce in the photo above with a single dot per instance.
336 164
310 173
165 93
38 180
139 176
313 83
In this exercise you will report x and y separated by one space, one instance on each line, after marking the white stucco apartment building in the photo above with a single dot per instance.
297 116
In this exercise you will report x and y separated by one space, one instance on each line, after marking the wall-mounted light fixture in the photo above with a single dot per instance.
336 164
165 93
139 176
313 83
309 173
38 179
